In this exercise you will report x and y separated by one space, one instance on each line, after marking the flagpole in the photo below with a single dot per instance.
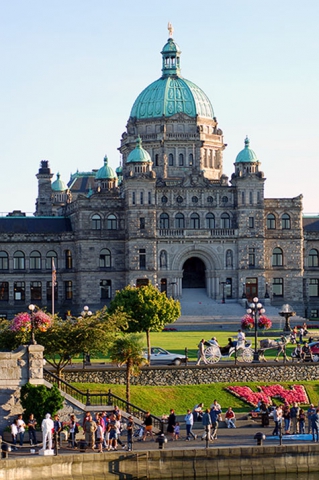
53 280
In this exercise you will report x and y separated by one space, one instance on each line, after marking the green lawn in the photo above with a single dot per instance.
176 341
161 399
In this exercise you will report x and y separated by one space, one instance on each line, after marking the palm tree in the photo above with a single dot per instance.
128 350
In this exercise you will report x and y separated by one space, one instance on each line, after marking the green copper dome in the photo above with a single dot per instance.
105 172
58 185
139 155
171 93
247 155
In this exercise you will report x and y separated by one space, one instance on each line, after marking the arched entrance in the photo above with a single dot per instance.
194 273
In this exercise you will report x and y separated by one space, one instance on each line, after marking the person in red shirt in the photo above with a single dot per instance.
230 418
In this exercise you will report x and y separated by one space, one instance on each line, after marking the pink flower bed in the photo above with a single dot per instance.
296 393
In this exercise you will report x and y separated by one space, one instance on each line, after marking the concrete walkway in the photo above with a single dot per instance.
199 312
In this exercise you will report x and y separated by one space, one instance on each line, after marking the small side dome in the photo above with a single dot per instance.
247 155
105 172
58 185
139 155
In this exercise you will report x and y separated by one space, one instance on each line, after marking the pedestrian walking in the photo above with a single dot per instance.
315 426
189 422
201 352
130 430
207 423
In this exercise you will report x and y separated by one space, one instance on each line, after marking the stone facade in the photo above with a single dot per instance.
172 218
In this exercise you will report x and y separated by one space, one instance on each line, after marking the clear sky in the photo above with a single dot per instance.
71 70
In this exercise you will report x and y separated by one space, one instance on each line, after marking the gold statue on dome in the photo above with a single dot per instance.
170 29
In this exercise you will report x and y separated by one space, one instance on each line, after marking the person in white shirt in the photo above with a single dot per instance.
47 427
241 338
21 429
14 434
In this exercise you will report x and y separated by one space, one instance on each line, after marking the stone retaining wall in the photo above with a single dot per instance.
166 464
193 375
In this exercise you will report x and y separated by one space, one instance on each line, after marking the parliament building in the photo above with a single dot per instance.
168 215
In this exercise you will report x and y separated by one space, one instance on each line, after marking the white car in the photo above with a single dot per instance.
163 357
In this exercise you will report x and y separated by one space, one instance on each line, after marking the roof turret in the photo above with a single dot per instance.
139 155
58 185
247 155
105 172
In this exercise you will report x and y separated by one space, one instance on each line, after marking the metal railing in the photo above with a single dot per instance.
102 399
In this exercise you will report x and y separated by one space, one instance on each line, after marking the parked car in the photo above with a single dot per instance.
163 357
314 347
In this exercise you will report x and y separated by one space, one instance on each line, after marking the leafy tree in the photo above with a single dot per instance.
147 309
40 400
127 350
65 339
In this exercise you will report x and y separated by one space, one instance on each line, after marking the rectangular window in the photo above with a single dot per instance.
4 291
251 257
142 223
142 198
142 258
133 198
49 291
19 291
313 313
149 198
105 289
313 287
68 259
251 222
68 290
278 287
35 291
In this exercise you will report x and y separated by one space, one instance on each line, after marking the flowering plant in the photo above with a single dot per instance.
264 322
22 322
295 393
247 322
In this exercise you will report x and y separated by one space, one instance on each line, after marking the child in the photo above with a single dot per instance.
302 420
176 431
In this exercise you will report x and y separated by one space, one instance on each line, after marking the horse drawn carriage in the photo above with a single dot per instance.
242 351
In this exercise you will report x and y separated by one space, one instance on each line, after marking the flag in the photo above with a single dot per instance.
53 273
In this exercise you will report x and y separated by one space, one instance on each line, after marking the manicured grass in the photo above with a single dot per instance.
160 400
176 341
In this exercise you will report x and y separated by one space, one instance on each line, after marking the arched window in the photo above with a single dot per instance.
271 221
250 198
210 220
48 260
19 260
224 220
171 160
35 260
179 220
96 222
285 221
4 261
313 258
181 160
195 223
68 259
105 258
164 220
111 222
190 159
156 160
243 198
277 257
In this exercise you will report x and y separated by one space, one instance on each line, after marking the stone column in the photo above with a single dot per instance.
36 364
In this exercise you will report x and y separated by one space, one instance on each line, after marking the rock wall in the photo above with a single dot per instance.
243 462
16 369
193 375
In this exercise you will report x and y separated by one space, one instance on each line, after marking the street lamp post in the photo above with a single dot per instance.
255 309
32 337
223 284
86 312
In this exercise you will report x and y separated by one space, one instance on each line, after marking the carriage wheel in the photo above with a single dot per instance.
212 354
248 355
